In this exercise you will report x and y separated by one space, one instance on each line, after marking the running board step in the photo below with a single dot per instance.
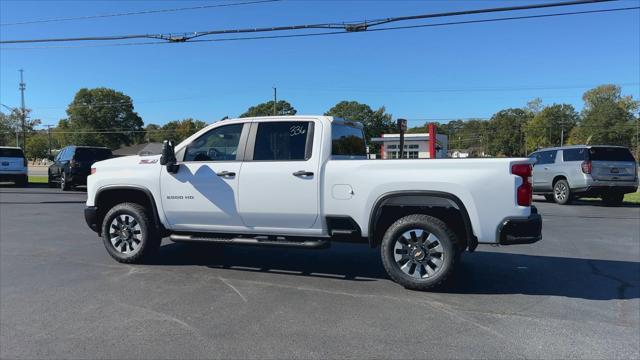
256 241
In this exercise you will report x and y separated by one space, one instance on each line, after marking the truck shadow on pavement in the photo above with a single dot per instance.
481 273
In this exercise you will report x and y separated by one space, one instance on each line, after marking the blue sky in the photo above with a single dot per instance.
446 72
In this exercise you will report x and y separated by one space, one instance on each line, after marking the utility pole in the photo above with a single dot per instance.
24 115
561 133
275 100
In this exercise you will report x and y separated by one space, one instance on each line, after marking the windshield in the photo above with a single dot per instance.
347 140
610 154
17 153
87 154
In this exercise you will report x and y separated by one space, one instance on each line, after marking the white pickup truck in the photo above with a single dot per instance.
305 181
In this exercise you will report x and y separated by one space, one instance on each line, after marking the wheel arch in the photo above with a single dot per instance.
558 178
419 198
108 196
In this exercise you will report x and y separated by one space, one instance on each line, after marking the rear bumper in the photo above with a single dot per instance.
516 231
605 187
12 176
91 217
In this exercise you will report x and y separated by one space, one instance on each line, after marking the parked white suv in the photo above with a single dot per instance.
13 165
564 173
305 181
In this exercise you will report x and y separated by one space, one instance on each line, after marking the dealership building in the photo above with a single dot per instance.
416 146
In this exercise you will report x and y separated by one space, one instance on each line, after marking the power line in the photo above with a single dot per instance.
364 25
328 33
143 12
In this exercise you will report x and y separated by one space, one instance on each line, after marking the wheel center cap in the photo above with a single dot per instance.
125 234
418 253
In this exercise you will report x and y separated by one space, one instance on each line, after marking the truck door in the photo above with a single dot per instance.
279 179
203 194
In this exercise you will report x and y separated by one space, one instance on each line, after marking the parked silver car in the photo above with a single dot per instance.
565 173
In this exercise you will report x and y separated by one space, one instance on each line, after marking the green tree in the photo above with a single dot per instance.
179 130
375 123
607 118
38 146
545 128
102 116
266 109
507 135
153 133
11 123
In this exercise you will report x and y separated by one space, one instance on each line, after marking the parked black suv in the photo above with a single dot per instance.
72 165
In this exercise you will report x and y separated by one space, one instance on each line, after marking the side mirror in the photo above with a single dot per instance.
168 157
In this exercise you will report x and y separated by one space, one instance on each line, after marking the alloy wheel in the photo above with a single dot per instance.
125 234
560 191
419 254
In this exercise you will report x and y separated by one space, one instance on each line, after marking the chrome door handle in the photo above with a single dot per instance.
226 173
303 173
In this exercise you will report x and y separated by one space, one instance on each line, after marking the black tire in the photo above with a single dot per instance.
549 197
142 245
64 184
430 225
561 192
613 199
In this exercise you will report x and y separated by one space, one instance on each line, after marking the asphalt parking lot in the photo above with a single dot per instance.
576 294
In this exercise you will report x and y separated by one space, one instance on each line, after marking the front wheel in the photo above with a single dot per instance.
64 183
128 233
562 192
419 251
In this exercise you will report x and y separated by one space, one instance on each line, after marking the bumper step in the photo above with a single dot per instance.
254 241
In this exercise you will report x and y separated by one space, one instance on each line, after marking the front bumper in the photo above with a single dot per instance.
91 217
521 230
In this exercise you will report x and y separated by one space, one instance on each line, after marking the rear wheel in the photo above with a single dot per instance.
562 192
613 199
419 251
128 233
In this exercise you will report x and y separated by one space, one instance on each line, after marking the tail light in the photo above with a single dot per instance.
524 191
586 167
93 170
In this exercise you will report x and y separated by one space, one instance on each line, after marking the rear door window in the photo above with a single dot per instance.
574 154
284 141
610 154
547 157
11 153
